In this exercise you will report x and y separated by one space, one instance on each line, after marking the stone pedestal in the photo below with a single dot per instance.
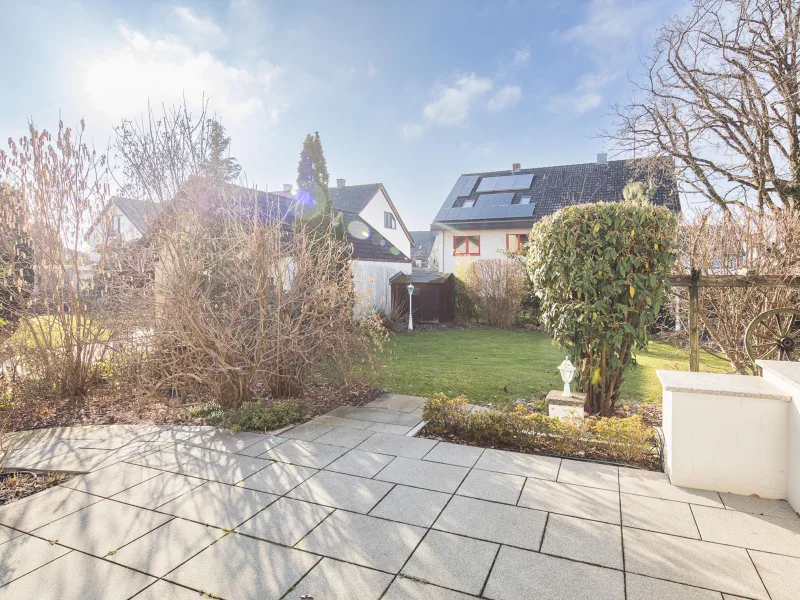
566 406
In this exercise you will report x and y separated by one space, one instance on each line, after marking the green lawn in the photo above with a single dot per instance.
480 363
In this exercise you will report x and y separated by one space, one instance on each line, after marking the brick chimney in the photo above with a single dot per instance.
340 183
516 167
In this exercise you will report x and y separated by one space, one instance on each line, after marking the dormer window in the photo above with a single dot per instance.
389 221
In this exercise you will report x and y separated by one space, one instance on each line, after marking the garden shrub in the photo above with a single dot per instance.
260 416
497 286
601 272
626 440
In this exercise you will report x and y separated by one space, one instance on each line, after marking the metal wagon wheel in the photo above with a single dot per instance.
774 335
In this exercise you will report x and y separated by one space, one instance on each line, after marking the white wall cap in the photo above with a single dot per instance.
786 370
721 384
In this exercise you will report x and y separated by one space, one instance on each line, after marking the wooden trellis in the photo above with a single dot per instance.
695 281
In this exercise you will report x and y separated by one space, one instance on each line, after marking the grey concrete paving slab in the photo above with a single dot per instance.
363 540
657 485
345 436
285 521
408 589
168 457
589 474
693 562
452 561
169 436
647 588
493 522
342 422
398 402
419 473
7 534
759 506
340 581
222 467
571 500
244 568
81 460
157 491
77 576
780 574
360 463
102 528
454 454
411 505
377 415
521 574
26 456
308 432
24 554
583 540
163 590
111 480
337 490
278 478
225 441
757 532
305 454
163 549
514 463
389 428
263 445
397 445
488 485
218 505
50 435
44 507
654 514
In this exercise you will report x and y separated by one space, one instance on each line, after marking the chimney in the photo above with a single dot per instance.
287 187
602 158
340 183
516 167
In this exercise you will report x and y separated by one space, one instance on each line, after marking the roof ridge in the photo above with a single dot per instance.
529 170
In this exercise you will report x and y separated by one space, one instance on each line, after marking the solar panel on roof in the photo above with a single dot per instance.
500 199
505 182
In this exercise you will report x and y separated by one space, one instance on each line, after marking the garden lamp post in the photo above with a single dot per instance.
567 370
410 306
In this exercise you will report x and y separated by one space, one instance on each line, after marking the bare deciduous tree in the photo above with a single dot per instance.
497 286
721 97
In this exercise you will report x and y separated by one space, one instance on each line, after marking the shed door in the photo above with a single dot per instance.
429 304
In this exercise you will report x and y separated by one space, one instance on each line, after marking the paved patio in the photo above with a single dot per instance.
350 507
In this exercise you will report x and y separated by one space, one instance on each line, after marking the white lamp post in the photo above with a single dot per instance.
567 370
410 306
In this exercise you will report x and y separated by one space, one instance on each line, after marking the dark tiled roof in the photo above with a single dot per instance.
551 188
138 212
421 276
353 198
367 243
423 244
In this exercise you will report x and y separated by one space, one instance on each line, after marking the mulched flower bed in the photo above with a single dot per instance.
21 484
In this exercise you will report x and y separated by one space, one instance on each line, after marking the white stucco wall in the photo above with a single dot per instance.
726 433
371 279
372 213
493 242
98 236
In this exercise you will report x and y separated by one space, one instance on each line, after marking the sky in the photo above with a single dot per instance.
410 93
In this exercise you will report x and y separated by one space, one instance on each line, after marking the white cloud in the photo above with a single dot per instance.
202 27
507 97
585 96
521 57
372 70
413 131
610 24
167 69
453 102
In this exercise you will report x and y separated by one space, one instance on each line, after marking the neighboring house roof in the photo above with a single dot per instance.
368 244
520 198
138 212
423 244
421 276
354 198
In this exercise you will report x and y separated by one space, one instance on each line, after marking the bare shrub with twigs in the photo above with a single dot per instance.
739 242
498 287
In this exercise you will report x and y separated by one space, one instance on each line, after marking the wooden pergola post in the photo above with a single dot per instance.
694 322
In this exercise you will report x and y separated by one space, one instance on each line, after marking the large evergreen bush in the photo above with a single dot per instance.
601 273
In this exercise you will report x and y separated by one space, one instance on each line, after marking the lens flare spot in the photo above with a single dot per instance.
394 251
358 230
303 198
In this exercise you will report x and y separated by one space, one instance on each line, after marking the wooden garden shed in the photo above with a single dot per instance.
434 296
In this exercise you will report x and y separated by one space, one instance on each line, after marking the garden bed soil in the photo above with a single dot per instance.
136 406
21 484
652 463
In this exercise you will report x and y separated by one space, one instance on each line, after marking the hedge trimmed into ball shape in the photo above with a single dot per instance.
601 273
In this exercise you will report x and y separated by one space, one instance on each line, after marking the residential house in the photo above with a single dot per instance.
124 219
487 214
381 241
422 255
